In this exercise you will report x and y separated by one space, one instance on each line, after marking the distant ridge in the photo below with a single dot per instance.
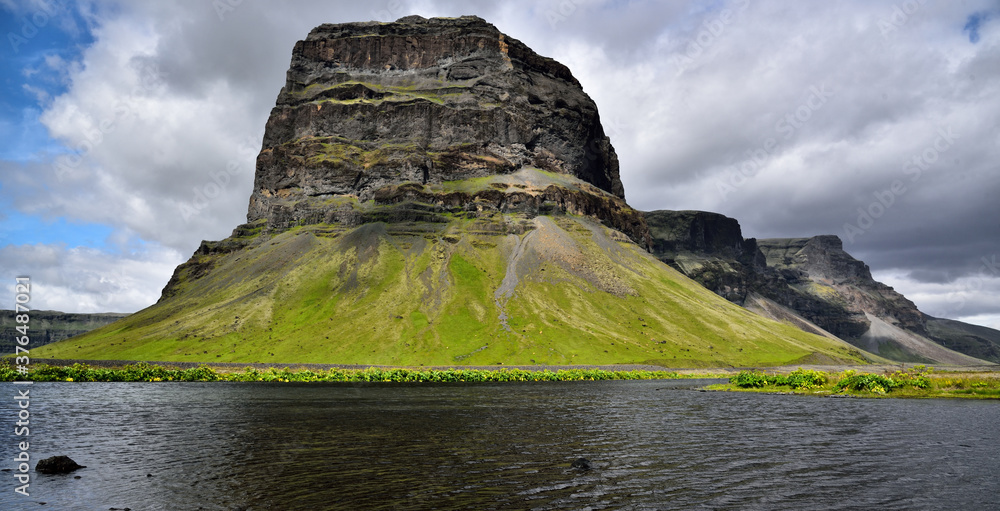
46 327
814 284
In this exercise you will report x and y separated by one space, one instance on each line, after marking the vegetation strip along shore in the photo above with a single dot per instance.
916 382
143 372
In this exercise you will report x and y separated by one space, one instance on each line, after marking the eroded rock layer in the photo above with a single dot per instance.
810 282
383 111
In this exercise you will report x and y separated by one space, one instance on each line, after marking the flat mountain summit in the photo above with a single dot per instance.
393 112
432 191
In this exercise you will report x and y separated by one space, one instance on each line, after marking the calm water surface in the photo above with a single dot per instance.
653 445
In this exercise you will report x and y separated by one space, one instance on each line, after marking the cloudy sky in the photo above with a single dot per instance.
129 129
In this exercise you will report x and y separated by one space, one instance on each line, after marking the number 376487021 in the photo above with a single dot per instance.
22 295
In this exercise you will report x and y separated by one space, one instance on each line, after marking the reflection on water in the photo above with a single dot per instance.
653 445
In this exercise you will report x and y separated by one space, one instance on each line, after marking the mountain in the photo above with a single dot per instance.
431 191
47 327
814 284
974 340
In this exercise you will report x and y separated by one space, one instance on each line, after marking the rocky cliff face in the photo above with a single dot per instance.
709 248
51 326
819 266
386 112
810 282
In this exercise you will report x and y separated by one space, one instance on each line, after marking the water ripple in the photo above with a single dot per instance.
653 445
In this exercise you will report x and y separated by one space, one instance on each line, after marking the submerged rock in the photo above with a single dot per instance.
582 463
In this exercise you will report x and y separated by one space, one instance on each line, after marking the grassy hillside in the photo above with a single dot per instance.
566 291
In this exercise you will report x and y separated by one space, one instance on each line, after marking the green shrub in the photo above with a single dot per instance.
806 379
749 380
797 379
869 383
156 373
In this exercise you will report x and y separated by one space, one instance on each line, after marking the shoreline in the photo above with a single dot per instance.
727 371
967 381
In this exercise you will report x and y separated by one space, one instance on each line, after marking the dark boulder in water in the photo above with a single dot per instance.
57 465
581 463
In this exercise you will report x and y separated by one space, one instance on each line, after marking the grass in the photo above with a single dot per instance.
918 382
155 373
365 296
335 150
433 91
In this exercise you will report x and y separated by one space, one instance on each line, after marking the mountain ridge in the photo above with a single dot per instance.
812 282
434 192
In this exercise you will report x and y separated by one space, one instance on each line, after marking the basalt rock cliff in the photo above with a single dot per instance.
812 283
709 248
51 326
393 112
432 191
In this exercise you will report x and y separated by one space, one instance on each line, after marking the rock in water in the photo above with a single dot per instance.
57 465
582 463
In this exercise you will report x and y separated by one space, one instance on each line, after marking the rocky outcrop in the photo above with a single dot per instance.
57 465
375 111
51 326
820 267
809 282
419 123
709 248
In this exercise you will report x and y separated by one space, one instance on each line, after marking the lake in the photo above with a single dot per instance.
651 444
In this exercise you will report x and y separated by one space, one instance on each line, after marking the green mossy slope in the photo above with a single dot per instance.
565 291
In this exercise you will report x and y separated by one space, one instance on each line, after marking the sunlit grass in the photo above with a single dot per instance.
917 382
380 295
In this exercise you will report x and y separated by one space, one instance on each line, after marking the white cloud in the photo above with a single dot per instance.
90 280
686 94
969 298
143 148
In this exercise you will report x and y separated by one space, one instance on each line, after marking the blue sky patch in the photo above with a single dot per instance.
37 45
973 23
20 229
